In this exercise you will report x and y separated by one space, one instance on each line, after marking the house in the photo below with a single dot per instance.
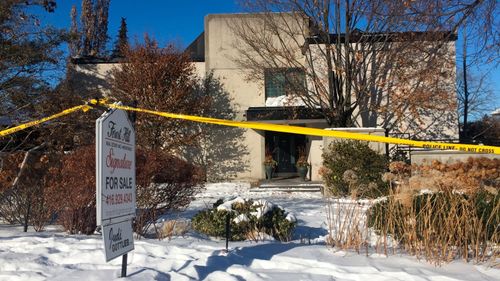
496 113
264 97
270 94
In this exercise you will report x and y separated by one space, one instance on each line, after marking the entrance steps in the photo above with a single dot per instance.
288 185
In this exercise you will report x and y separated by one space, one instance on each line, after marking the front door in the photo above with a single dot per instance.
284 148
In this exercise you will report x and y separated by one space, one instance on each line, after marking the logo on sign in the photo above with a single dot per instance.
121 134
117 163
117 242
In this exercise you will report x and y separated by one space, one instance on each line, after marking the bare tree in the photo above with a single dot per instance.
480 97
101 36
74 43
380 62
88 27
94 20
480 48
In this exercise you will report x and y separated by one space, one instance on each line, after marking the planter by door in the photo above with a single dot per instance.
302 170
269 172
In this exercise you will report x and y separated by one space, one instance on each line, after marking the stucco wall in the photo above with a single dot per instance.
431 123
199 69
95 76
221 55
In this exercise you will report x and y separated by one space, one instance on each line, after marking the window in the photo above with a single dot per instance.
284 81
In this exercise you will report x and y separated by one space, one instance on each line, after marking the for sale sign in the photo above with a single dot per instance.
118 239
115 181
115 167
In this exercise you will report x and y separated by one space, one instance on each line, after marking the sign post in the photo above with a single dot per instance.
115 183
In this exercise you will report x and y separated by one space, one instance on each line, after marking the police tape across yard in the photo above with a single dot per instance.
6 132
269 127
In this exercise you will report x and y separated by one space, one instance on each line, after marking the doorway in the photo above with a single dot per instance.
284 148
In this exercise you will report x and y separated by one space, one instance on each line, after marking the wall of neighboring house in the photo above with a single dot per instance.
199 69
95 76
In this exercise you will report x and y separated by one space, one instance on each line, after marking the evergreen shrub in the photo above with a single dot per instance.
249 219
365 167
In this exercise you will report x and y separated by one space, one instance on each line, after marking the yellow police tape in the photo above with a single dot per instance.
267 127
318 132
21 127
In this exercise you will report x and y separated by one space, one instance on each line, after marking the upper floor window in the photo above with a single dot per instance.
284 82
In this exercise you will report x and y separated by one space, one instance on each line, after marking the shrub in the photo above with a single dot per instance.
442 226
248 220
164 182
365 165
23 180
442 211
72 191
173 228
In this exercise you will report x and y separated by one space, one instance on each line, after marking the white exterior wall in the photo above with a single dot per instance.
99 74
199 69
435 124
220 58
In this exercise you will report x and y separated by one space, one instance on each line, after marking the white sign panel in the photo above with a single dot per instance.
115 160
118 239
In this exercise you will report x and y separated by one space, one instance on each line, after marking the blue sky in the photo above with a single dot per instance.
180 21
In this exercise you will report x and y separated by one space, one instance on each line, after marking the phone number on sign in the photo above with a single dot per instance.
119 198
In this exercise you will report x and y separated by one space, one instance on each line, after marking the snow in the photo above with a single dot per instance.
263 206
240 218
284 101
291 217
53 255
227 205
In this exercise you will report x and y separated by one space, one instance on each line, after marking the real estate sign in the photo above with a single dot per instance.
118 239
115 181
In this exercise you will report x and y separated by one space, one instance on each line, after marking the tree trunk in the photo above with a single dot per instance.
27 214
16 183
465 134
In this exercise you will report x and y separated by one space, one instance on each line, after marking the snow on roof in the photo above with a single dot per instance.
496 111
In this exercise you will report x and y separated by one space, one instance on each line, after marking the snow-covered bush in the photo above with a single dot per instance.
249 219
363 165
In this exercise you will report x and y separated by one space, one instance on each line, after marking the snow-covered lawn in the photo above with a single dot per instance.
53 255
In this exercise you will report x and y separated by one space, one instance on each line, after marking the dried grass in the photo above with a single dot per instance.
438 212
172 228
347 225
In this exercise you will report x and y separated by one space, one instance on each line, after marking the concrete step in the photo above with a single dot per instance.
288 188
284 189
288 184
